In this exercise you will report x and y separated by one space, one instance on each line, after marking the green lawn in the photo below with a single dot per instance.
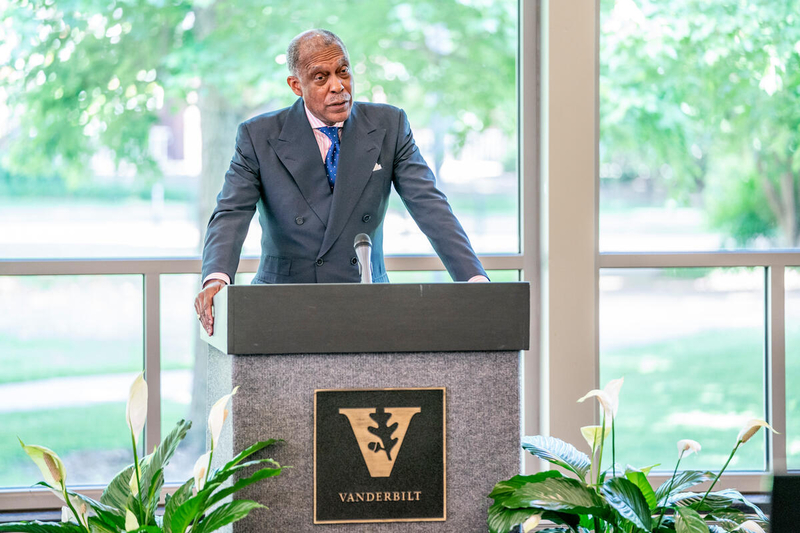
93 441
695 387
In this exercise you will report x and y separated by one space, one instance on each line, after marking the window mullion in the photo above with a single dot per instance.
776 368
152 357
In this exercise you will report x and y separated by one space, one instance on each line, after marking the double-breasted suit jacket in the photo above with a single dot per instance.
307 229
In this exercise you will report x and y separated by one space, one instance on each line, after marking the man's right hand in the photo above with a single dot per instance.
203 304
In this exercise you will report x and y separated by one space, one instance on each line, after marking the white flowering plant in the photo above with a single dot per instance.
590 500
130 501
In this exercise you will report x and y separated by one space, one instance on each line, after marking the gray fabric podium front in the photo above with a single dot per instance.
280 343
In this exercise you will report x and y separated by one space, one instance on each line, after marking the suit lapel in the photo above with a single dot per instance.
298 150
361 143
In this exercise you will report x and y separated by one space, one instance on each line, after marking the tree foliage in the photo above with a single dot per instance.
703 95
81 75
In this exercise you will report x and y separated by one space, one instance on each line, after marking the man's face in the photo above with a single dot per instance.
324 81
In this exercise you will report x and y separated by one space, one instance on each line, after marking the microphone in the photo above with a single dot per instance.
363 247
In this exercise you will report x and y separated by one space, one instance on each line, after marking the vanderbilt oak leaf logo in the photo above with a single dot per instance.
380 433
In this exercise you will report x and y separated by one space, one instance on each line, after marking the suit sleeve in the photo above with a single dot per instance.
236 204
416 185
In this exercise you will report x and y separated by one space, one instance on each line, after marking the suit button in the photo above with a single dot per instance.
366 218
299 221
354 261
320 262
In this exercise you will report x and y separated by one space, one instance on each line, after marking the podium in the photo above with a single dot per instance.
286 346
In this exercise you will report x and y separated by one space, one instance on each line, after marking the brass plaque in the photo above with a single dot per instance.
379 455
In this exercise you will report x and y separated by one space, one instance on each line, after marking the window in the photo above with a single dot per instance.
132 112
657 192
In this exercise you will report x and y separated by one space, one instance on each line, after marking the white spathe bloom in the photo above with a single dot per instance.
608 397
531 523
750 526
688 445
131 524
751 428
200 468
136 410
80 506
132 483
594 435
49 463
217 416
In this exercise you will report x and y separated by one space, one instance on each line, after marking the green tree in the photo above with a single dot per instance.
705 95
81 75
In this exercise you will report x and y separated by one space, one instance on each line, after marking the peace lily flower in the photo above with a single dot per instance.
48 462
136 410
131 524
751 428
217 416
684 445
594 435
133 483
531 523
200 470
608 397
688 445
68 516
750 526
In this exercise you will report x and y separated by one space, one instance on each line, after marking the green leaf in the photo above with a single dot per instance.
646 470
628 500
97 525
507 487
118 491
558 494
689 521
153 495
241 483
183 493
250 450
225 514
183 515
716 501
730 520
36 526
161 456
559 453
219 476
503 520
639 478
682 481
557 517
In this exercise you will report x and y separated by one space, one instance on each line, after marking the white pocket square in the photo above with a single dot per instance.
377 167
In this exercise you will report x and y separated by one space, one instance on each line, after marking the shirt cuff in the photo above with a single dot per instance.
220 276
479 278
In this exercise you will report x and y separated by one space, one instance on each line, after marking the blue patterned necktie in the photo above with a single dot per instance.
332 157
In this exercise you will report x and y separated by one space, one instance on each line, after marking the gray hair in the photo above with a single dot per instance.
325 38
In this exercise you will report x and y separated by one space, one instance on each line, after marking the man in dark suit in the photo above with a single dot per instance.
320 173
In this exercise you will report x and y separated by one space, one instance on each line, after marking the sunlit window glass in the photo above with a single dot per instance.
117 121
69 356
690 344
698 125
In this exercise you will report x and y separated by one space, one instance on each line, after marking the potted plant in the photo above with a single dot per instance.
588 499
130 501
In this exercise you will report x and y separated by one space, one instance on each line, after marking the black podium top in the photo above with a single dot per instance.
369 318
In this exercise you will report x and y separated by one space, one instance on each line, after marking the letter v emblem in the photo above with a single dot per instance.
380 434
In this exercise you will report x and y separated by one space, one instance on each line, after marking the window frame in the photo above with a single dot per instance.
570 223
